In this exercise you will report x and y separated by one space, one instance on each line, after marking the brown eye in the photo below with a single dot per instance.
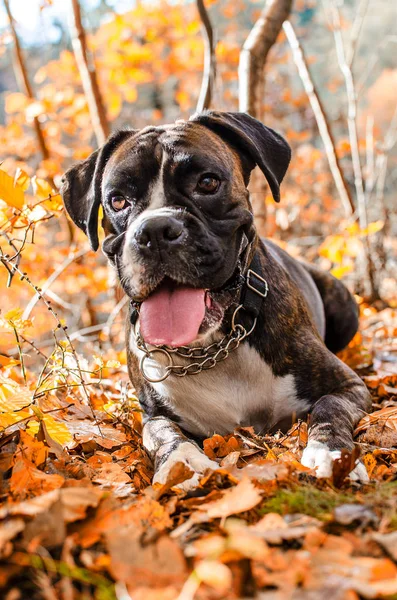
118 203
208 184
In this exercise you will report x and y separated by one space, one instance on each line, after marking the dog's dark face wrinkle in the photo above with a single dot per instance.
160 168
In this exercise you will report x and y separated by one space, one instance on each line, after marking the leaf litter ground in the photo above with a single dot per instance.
80 519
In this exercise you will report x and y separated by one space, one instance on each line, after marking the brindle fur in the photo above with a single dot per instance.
307 316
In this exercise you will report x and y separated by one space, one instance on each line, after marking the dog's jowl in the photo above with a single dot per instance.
225 329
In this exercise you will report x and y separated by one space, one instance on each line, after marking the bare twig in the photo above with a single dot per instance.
104 327
321 119
356 30
209 71
370 159
88 76
345 67
351 114
51 279
117 309
23 80
21 360
60 326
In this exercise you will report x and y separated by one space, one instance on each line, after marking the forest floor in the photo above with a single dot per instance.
79 517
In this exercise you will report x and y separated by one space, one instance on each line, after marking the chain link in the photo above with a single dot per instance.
209 356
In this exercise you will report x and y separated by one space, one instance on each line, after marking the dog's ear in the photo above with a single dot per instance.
263 145
81 187
77 191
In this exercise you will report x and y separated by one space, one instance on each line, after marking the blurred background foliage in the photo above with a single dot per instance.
148 61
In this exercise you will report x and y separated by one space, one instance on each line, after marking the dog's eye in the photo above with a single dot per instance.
208 184
118 203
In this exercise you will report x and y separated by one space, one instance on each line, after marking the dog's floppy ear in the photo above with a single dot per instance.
81 187
263 145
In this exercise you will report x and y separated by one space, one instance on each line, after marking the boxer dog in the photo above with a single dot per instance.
225 329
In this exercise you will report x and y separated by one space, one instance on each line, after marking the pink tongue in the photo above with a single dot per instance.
172 316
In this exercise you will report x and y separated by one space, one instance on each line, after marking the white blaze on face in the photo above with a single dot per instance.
133 270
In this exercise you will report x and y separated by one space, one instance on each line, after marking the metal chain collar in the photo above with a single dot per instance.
204 358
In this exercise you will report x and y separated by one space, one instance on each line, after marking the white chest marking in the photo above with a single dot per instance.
240 391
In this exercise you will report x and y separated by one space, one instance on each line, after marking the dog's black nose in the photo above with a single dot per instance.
157 232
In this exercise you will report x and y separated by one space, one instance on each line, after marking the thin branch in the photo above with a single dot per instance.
60 326
105 327
351 114
356 30
370 158
51 279
23 81
347 72
321 119
254 54
209 71
88 76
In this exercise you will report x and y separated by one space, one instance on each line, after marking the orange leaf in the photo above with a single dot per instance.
27 480
11 193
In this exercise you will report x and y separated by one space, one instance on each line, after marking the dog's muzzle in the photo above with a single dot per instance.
251 290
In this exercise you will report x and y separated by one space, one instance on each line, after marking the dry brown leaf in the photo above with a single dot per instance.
73 500
218 447
135 563
214 574
178 473
26 480
341 467
388 541
235 500
111 474
386 417
238 499
8 530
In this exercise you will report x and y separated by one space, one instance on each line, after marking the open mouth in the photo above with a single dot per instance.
175 315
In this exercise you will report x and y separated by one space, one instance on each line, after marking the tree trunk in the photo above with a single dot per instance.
254 54
209 71
88 76
23 80
253 58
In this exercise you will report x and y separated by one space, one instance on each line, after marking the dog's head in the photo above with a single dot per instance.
177 214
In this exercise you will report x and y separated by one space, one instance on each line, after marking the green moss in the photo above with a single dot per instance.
310 500
307 500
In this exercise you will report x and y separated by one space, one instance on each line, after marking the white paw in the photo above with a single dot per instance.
192 457
318 456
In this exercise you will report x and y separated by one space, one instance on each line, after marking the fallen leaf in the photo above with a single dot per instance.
8 530
110 474
237 499
214 574
346 514
341 467
13 396
217 447
388 541
386 416
27 480
155 564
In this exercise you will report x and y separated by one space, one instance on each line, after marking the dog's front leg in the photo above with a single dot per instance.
167 445
332 422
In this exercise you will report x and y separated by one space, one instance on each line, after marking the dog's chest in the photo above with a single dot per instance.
240 391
